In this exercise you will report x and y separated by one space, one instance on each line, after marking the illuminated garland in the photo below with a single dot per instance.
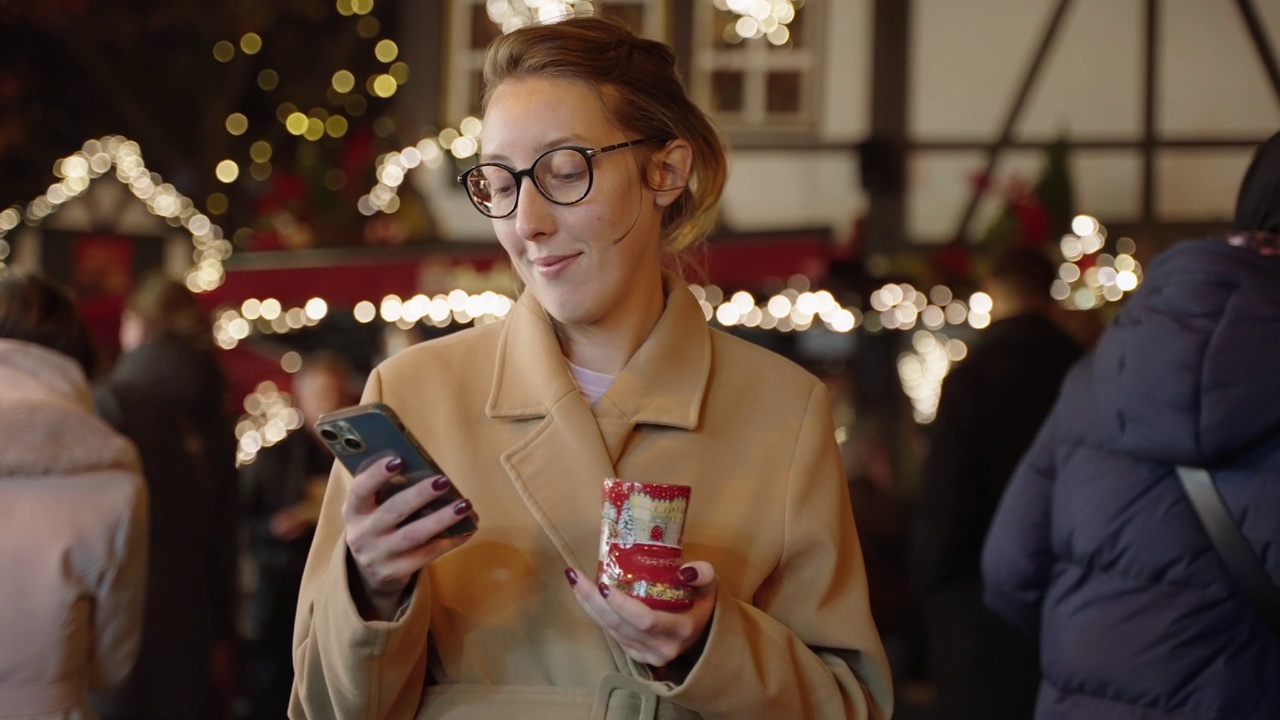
269 417
97 157
1090 278
392 167
760 18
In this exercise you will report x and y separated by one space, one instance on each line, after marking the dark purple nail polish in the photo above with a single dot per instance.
394 464
688 575
571 575
440 483
462 508
604 590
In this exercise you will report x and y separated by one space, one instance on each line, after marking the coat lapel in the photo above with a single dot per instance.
558 467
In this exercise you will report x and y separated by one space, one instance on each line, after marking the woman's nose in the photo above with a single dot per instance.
534 216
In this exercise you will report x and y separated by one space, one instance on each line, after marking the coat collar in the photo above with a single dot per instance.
663 383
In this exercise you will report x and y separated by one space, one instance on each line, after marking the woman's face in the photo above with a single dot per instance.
596 262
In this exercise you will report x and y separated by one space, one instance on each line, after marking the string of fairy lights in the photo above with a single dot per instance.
97 157
1087 278
752 18
767 19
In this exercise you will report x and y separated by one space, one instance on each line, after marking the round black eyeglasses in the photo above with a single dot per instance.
562 175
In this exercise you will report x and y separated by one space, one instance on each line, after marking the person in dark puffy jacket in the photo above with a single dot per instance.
1095 545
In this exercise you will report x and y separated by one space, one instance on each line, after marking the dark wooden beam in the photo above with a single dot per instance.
1151 60
1193 143
885 227
422 44
1260 43
1015 110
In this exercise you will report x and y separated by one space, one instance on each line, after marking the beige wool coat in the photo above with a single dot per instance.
492 629
73 540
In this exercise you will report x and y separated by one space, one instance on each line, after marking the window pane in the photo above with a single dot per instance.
783 92
483 31
726 91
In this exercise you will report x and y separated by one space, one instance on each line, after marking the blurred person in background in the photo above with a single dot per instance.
992 404
1096 546
282 492
166 394
73 515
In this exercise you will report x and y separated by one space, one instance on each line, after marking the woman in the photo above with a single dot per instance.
1096 546
166 395
73 515
605 368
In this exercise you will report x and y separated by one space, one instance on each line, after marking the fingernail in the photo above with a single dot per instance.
394 464
440 483
462 508
604 590
688 575
571 575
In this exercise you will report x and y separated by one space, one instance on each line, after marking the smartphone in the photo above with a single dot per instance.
363 435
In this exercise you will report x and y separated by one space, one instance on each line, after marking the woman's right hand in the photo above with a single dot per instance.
386 554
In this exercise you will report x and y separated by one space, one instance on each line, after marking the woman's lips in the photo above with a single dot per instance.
553 266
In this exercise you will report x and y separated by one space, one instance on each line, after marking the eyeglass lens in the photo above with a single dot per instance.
563 176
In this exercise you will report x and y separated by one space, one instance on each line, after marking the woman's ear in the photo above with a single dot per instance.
669 170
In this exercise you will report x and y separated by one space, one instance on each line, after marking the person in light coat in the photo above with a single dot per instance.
605 367
73 516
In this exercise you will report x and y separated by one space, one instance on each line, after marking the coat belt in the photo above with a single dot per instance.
616 697
40 699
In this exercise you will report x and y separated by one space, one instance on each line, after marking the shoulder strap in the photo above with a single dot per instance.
1231 545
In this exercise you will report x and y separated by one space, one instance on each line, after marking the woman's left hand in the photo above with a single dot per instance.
652 637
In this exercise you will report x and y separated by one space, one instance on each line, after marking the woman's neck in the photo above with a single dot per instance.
607 346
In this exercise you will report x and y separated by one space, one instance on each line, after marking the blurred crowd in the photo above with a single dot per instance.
1050 564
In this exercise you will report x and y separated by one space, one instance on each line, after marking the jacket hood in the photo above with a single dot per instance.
173 373
1258 205
47 425
1188 373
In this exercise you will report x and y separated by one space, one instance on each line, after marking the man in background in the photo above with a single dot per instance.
992 405
282 490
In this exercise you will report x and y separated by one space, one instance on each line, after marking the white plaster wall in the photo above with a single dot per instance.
778 190
1213 81
846 77
1090 85
1199 185
938 186
966 61
968 58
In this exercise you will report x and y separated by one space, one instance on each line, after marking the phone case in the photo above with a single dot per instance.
366 434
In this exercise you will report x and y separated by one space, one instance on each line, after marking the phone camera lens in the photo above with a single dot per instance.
328 435
353 444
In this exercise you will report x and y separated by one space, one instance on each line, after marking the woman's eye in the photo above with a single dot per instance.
569 177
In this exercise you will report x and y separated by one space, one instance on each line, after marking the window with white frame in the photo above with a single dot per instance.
473 24
755 64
